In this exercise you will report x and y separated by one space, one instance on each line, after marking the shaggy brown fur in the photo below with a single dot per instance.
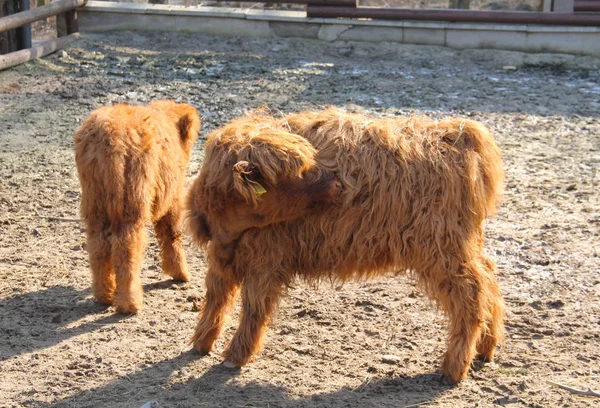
414 196
131 162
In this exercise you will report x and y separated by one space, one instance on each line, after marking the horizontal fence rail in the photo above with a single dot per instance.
587 5
37 51
340 3
25 17
463 16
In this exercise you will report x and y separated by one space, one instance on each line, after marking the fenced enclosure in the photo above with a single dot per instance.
16 32
21 50
364 344
375 343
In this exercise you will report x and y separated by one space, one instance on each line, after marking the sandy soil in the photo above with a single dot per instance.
58 348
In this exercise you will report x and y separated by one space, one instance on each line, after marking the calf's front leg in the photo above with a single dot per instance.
221 291
260 296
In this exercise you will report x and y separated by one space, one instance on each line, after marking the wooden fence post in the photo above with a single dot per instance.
3 35
23 32
66 23
8 39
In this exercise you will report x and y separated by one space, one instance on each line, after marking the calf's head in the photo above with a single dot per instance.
254 176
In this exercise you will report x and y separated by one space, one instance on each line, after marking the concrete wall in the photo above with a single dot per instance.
99 16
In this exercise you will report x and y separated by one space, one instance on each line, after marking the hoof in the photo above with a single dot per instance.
203 347
447 380
127 308
229 364
181 277
486 358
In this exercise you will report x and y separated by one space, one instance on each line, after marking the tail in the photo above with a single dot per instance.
483 163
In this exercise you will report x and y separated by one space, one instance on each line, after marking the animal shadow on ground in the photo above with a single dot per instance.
220 387
40 319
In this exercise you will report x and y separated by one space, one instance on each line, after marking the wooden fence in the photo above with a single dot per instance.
17 52
555 12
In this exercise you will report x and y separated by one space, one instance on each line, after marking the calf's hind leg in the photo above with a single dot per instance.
463 297
127 254
168 232
99 251
494 331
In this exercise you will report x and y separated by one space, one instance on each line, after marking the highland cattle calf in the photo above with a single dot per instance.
131 162
414 196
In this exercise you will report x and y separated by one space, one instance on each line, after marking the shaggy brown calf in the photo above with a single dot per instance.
131 162
414 196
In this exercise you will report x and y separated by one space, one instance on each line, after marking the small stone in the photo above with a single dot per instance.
62 54
279 47
151 404
57 319
390 359
509 68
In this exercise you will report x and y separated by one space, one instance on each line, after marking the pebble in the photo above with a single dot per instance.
390 359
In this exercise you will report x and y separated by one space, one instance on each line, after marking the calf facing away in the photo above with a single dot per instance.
131 162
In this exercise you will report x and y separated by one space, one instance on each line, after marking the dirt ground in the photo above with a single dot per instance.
326 348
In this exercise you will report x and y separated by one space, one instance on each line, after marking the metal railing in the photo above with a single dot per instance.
556 12
454 15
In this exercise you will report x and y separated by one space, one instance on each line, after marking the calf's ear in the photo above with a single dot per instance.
248 181
188 123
